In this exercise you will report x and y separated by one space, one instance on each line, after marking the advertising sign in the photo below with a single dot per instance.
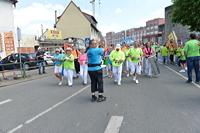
54 34
9 42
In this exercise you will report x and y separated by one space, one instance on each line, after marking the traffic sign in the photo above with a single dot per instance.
87 40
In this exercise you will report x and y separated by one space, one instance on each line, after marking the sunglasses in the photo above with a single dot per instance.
57 51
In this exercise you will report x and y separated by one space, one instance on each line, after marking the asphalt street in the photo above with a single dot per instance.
156 105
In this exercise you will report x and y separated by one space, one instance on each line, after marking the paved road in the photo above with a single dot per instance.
155 105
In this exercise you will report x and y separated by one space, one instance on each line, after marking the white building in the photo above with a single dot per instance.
7 29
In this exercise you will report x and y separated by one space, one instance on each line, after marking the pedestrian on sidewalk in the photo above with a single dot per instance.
182 59
68 65
164 54
95 70
1 70
83 61
13 60
58 65
117 57
191 51
41 63
148 52
136 54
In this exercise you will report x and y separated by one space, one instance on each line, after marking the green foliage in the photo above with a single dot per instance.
186 12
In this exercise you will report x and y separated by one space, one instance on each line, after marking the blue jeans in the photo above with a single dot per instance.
164 59
193 62
177 61
41 64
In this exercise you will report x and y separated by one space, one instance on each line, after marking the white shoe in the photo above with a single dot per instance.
183 71
127 75
134 78
185 68
115 81
119 84
60 83
136 81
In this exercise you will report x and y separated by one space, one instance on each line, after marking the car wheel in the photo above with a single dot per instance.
26 66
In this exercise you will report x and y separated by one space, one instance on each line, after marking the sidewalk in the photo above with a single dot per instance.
31 75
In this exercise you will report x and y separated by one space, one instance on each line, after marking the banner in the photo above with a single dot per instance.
54 34
171 37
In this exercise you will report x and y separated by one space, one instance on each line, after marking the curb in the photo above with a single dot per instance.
21 80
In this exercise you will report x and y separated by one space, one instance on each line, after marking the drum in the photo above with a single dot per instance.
104 71
154 65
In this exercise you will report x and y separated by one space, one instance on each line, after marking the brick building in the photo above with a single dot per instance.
152 31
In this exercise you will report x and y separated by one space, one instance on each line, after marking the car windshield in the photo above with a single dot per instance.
33 55
51 54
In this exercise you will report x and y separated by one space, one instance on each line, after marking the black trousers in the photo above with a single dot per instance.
96 78
172 58
76 65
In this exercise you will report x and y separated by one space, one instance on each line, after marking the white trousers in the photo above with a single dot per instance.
68 73
74 73
117 72
128 65
135 68
58 69
148 69
84 72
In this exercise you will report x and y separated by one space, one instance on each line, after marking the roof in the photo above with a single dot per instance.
87 16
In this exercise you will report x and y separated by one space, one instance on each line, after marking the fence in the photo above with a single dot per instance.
23 67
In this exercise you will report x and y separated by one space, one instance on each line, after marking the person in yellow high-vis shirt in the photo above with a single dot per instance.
128 60
136 54
117 57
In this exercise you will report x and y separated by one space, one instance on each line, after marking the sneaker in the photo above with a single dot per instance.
136 81
134 78
188 82
181 71
185 68
119 84
115 81
44 73
101 99
127 75
5 78
70 85
60 83
93 99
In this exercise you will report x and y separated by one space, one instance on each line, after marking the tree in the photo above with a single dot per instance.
186 12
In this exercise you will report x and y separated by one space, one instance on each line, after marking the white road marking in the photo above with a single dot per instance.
46 111
114 124
6 101
181 75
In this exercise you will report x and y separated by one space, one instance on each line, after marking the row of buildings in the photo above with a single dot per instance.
157 30
72 26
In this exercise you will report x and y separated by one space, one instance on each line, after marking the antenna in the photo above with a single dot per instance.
93 6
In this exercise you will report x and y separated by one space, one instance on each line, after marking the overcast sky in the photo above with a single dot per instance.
112 15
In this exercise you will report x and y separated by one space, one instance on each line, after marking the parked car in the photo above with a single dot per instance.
48 56
25 57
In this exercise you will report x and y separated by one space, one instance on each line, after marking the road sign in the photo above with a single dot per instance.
87 40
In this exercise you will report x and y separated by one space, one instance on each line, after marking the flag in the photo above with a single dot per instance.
175 37
171 37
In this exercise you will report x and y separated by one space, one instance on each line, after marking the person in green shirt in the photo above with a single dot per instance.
127 59
155 46
117 57
182 59
191 51
164 54
178 54
68 65
171 52
136 54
